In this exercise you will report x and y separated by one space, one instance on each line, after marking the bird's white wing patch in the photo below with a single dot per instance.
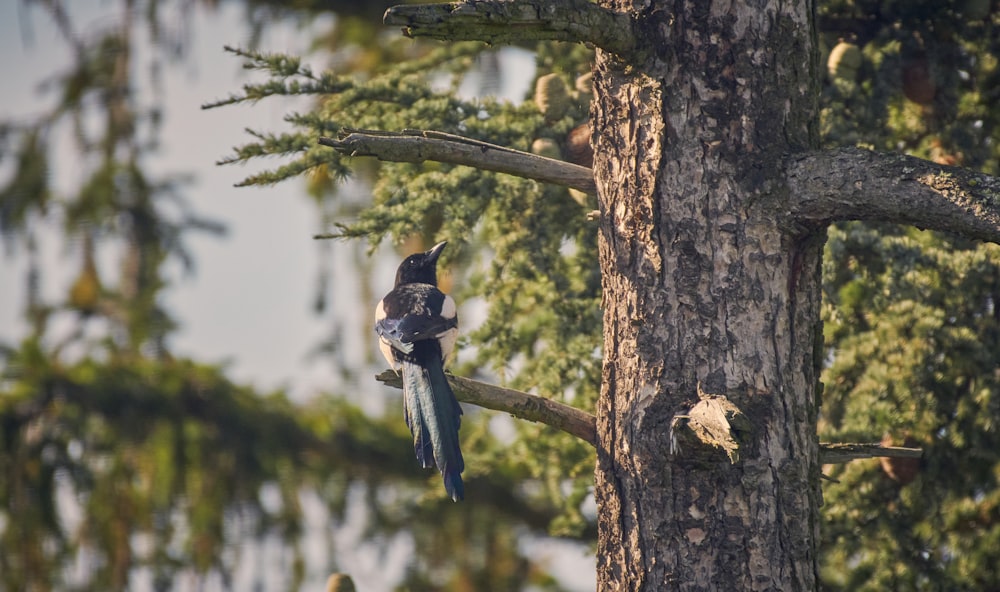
448 338
383 345
448 308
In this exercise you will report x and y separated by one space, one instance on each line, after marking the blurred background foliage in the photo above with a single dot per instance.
912 324
123 459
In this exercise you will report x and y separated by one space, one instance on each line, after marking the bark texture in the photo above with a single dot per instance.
506 21
705 289
422 145
854 184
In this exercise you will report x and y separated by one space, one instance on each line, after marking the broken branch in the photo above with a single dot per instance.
513 21
840 453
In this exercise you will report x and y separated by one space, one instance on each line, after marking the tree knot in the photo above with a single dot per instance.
713 423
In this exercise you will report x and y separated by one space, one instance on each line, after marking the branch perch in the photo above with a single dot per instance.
421 145
522 405
853 184
513 21
583 425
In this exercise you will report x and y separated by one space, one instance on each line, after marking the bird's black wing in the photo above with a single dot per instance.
402 333
414 312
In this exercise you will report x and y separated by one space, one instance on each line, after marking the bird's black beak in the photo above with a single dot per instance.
435 251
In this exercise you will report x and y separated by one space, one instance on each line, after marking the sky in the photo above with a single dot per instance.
249 303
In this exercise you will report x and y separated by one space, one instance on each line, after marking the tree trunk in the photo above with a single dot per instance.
705 290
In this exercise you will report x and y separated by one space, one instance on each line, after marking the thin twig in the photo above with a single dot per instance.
840 453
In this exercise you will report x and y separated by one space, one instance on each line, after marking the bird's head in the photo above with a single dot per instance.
420 268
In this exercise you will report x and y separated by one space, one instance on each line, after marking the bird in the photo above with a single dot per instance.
417 325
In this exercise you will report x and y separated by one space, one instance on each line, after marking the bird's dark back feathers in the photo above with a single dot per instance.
413 299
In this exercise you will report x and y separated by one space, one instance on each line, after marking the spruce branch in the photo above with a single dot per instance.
854 184
512 21
573 421
278 64
288 77
421 145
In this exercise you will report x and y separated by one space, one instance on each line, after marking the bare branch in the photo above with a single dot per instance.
583 425
512 21
420 145
522 405
852 184
840 453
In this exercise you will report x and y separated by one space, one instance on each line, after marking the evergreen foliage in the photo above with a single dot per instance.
166 448
122 460
917 337
910 316
175 453
539 274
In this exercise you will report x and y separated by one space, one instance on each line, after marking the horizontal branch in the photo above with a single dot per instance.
513 21
840 453
853 184
583 425
521 405
421 145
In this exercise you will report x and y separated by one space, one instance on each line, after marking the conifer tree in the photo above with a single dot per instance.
910 316
717 173
686 128
122 460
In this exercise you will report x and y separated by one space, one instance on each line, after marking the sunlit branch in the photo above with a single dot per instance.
422 145
521 405
853 184
583 425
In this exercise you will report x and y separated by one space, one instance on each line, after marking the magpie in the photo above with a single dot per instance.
417 325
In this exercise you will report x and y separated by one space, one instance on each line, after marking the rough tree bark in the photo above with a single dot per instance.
703 287
713 210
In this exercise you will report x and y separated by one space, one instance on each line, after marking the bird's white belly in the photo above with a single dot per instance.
447 340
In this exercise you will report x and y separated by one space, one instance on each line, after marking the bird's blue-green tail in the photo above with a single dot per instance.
433 415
